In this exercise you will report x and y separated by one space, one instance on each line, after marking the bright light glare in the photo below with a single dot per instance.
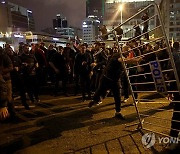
120 7
19 36
29 11
55 39
85 26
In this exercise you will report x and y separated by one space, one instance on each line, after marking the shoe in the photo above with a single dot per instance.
100 102
94 103
66 94
37 101
126 100
119 116
31 101
27 107
83 100
89 97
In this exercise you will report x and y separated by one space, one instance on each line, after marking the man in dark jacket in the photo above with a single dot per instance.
145 17
110 81
42 62
69 56
6 68
119 32
103 31
82 67
137 32
100 60
17 78
28 69
58 64
3 95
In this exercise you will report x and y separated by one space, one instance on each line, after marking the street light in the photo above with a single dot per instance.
121 9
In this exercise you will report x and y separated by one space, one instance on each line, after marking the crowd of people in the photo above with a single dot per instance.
30 68
94 71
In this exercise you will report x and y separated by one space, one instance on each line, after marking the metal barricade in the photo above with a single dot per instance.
153 76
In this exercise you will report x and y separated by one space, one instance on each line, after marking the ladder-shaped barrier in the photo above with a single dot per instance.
155 73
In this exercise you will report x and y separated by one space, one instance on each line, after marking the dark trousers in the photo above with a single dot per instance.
176 116
125 86
93 82
77 87
42 76
85 85
32 87
145 29
18 82
64 79
95 79
106 84
98 77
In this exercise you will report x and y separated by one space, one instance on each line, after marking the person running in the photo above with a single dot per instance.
110 81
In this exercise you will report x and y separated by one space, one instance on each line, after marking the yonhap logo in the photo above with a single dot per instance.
148 140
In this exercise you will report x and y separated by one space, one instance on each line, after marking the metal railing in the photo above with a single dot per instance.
166 66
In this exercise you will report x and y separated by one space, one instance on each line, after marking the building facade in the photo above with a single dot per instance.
38 37
15 17
118 11
60 22
95 8
60 25
170 10
66 32
15 20
5 17
90 29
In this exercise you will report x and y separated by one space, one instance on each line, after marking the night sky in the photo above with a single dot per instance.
45 10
